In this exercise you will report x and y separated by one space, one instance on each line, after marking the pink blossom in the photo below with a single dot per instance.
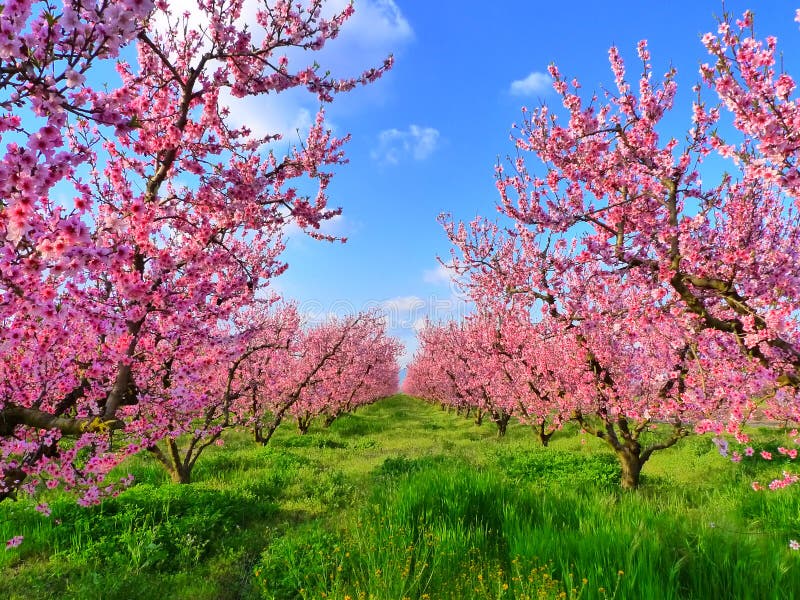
14 542
74 78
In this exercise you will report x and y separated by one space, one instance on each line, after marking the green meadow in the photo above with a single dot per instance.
403 500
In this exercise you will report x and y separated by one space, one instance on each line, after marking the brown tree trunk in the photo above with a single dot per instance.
543 434
263 432
623 437
180 474
181 471
303 423
631 463
263 438
501 420
12 478
479 418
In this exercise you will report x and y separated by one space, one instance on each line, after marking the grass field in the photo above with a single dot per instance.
404 500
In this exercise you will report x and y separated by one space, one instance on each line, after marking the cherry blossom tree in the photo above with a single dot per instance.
223 378
599 352
338 363
505 380
135 219
456 367
427 376
671 300
363 370
722 256
521 350
367 372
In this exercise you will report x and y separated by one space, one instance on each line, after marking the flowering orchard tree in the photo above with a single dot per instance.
509 375
673 299
366 372
217 383
427 375
723 257
133 220
521 350
600 353
362 370
324 368
549 372
456 367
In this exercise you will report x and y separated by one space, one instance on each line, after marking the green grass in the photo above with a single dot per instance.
404 500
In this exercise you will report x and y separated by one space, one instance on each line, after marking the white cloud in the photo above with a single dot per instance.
282 114
439 276
376 29
338 226
416 142
408 313
375 23
298 239
403 304
535 83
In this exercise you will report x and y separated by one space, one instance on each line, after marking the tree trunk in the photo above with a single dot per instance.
181 474
181 471
262 432
12 479
329 421
303 424
631 463
543 434
624 439
479 418
501 420
264 438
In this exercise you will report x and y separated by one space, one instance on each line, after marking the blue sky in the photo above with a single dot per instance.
427 136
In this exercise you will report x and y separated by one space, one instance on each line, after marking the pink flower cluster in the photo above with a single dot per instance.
14 542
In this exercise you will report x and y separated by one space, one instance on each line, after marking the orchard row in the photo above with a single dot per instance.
637 281
139 230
